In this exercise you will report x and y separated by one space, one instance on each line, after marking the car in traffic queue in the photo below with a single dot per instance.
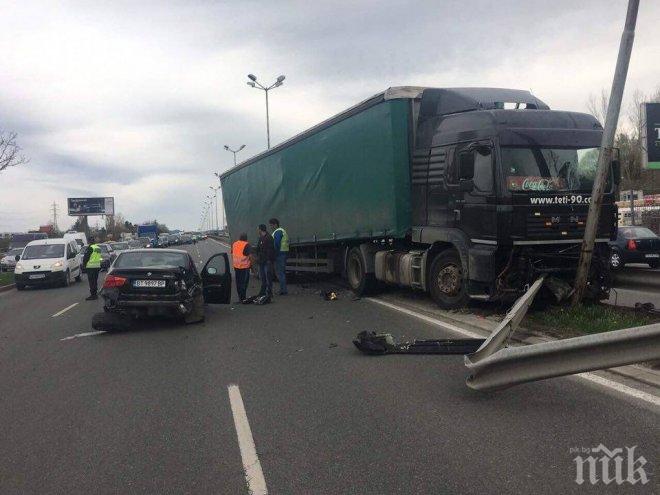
108 255
161 282
8 259
48 262
163 240
119 246
634 245
134 244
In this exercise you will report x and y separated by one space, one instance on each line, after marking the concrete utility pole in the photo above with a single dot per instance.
55 228
605 156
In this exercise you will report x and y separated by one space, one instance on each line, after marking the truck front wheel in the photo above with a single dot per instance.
359 280
447 283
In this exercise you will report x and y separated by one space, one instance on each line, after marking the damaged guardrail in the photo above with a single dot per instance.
494 366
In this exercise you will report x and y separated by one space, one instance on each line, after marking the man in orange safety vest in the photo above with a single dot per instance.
240 253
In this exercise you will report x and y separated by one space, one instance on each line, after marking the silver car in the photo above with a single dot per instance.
8 260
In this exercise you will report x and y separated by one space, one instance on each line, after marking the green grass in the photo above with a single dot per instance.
587 319
6 278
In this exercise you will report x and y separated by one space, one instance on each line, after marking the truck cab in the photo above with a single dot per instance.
504 184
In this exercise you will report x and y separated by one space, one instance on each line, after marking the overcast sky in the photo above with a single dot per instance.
136 99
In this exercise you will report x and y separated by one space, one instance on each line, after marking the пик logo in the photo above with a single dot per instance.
610 466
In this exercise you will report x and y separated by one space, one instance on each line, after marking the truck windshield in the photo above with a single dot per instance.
550 169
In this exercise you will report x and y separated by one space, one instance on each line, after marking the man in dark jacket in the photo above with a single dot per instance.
265 257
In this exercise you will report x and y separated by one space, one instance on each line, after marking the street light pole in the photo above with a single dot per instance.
215 190
240 147
257 85
605 156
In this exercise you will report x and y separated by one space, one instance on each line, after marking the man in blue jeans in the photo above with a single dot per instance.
265 256
281 242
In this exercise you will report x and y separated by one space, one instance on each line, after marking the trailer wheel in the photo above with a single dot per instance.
447 283
359 281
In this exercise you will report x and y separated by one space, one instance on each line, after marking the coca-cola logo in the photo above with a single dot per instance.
522 183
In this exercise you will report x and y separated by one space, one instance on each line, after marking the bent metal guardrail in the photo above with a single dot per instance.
494 366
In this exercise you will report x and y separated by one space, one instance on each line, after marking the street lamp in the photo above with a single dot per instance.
215 190
257 85
234 152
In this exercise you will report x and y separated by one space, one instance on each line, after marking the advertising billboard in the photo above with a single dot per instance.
91 206
651 137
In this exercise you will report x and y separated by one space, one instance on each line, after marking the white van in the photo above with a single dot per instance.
48 261
79 237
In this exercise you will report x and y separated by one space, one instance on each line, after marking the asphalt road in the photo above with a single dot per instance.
148 411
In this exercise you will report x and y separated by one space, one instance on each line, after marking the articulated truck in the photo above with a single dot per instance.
466 193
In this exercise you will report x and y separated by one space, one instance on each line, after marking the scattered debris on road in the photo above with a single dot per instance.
373 343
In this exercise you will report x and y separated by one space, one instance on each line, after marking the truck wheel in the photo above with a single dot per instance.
447 283
359 281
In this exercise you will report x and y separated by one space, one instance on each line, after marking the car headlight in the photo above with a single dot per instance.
19 266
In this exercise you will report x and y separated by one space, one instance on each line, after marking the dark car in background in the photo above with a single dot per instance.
185 239
8 259
108 255
161 282
635 245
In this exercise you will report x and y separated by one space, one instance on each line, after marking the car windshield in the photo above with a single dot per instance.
549 169
43 251
636 233
151 259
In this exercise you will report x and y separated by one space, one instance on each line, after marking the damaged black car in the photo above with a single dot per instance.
161 282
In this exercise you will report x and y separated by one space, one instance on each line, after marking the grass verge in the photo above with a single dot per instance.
586 319
6 278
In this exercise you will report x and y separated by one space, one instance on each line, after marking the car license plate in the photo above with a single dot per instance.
656 255
38 275
149 283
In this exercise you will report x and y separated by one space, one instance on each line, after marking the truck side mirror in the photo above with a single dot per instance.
616 171
466 166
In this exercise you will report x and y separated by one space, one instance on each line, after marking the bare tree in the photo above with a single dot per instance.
597 105
10 151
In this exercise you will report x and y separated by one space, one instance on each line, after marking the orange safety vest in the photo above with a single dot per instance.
240 261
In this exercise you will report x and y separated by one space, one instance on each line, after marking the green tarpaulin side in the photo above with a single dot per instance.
350 180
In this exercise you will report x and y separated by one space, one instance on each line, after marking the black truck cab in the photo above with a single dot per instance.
504 183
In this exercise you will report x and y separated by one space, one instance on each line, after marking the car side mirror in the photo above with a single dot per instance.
17 257
616 171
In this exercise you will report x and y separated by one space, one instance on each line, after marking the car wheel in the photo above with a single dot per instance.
111 322
448 284
616 261
79 276
67 279
20 286
196 314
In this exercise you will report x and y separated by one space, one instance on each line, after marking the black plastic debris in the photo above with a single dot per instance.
373 343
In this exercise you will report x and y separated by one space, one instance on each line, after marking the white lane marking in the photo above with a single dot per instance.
64 310
254 476
86 334
592 377
427 319
619 387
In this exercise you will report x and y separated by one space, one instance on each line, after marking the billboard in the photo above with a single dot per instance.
91 206
651 135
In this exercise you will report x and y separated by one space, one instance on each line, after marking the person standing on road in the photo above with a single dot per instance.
240 254
266 256
92 263
281 243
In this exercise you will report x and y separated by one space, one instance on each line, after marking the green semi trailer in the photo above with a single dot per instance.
464 193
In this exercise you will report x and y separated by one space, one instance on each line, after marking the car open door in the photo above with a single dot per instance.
216 279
